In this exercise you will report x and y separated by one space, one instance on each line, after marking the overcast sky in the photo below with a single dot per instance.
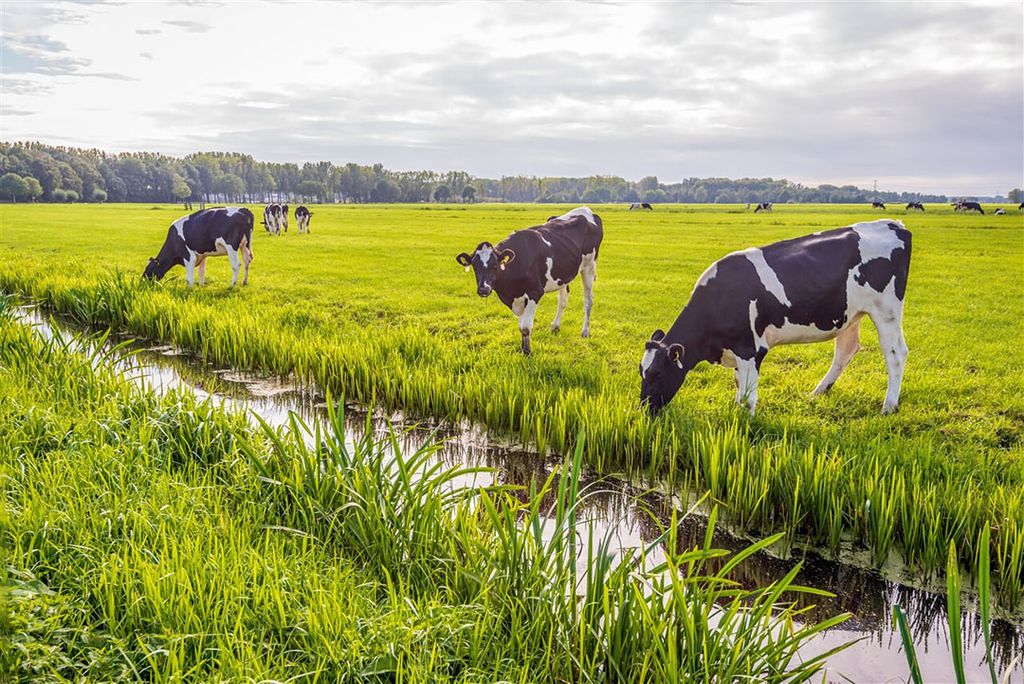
920 96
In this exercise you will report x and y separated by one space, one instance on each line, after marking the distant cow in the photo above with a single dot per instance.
641 205
915 205
878 205
970 206
807 289
763 206
532 261
302 217
209 232
999 212
272 218
284 217
1021 207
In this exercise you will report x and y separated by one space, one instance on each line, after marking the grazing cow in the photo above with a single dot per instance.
205 233
763 206
272 218
532 261
971 206
807 289
284 217
915 205
302 217
999 212
1021 207
878 205
641 205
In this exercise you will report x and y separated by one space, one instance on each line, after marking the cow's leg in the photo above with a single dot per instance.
894 348
233 255
201 267
746 386
190 269
588 274
563 300
847 344
246 260
525 308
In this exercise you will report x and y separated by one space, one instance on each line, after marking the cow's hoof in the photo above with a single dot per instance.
890 409
555 329
585 333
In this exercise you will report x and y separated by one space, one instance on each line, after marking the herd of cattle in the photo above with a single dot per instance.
807 289
275 218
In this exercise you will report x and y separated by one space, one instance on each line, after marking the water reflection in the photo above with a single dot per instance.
633 516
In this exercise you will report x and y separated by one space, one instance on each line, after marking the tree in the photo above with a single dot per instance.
12 185
230 185
59 195
70 196
35 190
468 193
312 188
99 195
1016 195
443 193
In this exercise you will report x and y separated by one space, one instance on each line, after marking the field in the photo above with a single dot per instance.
372 306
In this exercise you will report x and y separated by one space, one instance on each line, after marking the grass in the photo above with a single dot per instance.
161 539
372 305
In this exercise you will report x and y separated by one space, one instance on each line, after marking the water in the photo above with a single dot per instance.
631 514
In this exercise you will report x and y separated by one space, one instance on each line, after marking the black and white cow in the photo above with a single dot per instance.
532 261
971 206
205 233
999 212
915 205
272 218
878 205
641 205
808 289
284 217
1021 207
763 206
302 217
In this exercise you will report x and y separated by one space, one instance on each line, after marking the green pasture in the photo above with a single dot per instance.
372 304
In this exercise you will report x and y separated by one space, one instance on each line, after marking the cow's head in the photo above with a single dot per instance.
487 262
662 372
155 269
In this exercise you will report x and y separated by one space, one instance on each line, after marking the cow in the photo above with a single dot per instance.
544 258
970 206
272 218
763 206
999 212
205 233
807 289
1021 207
641 205
915 205
284 217
877 205
302 217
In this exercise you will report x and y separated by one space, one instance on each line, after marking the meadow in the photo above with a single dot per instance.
371 305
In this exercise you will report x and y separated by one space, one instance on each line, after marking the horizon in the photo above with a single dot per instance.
677 91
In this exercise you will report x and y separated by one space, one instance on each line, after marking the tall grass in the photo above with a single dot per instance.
162 539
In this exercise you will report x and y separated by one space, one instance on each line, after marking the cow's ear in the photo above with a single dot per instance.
658 335
464 260
506 257
675 353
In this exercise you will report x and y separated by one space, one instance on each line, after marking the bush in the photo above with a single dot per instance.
59 195
99 195
70 196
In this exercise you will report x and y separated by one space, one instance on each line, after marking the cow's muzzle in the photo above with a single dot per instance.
483 291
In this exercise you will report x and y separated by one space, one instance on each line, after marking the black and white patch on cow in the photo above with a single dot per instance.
808 289
272 218
284 217
302 217
999 212
206 233
763 206
533 261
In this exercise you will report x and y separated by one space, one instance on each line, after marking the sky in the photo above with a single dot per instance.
918 96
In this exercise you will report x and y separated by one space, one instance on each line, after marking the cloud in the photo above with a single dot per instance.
817 92
190 26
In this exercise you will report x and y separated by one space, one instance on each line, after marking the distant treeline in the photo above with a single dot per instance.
32 171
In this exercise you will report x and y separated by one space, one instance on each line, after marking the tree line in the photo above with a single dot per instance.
33 171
